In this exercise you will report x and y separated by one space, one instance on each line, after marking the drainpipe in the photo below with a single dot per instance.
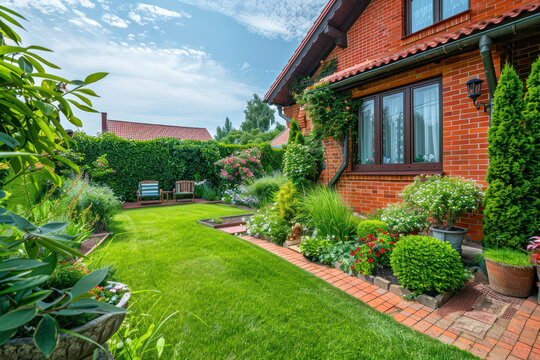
345 162
485 51
281 115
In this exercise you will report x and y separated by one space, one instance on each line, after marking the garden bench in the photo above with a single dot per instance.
184 187
148 189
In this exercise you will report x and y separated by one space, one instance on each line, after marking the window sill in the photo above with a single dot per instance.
395 172
435 28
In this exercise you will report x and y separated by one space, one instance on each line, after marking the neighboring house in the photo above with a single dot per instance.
142 131
411 58
281 139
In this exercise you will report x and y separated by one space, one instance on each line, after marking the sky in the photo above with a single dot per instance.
176 62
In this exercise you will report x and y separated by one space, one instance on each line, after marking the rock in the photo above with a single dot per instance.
381 282
398 290
427 300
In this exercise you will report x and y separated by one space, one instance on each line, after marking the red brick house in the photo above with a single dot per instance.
281 139
408 61
142 131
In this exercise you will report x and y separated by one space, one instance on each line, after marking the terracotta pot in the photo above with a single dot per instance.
510 280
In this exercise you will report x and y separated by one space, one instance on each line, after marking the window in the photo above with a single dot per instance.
423 13
400 130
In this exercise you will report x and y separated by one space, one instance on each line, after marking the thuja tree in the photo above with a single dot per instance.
295 134
505 213
532 167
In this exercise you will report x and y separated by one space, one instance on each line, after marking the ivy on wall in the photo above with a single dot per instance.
164 160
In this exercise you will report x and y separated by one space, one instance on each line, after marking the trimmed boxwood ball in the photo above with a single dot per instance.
424 264
368 227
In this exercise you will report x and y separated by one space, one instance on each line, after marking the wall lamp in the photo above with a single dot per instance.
474 90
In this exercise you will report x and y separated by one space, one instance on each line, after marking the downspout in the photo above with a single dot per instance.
345 162
489 69
282 115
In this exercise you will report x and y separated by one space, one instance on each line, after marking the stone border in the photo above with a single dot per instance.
207 222
427 300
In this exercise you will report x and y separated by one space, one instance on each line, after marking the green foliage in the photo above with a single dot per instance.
100 169
300 165
445 199
287 200
424 264
258 114
223 132
531 116
294 131
206 191
164 160
31 101
333 114
241 167
266 188
508 256
25 190
313 246
328 214
252 137
328 68
404 219
374 250
506 207
370 227
268 223
65 275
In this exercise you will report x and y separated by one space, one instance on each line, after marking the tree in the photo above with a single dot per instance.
532 169
222 132
295 134
258 115
255 136
505 211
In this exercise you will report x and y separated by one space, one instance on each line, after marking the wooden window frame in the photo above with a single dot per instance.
437 15
409 166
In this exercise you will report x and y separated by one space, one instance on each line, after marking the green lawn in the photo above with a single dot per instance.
237 301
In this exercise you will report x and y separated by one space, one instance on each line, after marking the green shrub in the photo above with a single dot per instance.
206 191
65 275
506 207
300 165
313 246
164 160
266 188
508 256
287 200
424 264
268 223
328 214
403 219
370 227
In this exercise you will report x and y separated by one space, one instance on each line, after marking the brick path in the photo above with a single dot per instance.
519 340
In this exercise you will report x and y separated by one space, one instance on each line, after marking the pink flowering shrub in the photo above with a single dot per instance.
241 167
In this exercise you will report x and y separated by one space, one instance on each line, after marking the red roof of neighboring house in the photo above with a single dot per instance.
442 39
281 139
141 131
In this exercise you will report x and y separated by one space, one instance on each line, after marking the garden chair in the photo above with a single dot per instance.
184 187
148 189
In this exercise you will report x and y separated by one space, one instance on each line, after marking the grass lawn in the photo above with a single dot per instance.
237 301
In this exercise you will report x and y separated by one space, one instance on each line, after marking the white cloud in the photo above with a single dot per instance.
115 20
44 6
87 4
288 19
82 20
145 13
245 67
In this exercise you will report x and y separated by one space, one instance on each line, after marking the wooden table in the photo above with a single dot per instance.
165 195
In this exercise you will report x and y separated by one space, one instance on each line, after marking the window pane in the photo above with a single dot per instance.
366 135
426 123
392 121
453 7
421 14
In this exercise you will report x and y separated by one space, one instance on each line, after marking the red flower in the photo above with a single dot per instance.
347 108
380 229
370 260
392 243
360 254
325 263
384 232
369 251
328 108
371 245
362 239
321 125
352 253
357 249
377 254
345 101
88 272
383 251
381 240
390 249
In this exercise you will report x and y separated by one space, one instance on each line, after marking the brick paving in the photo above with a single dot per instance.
518 338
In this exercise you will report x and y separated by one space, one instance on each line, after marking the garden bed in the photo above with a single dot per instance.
226 221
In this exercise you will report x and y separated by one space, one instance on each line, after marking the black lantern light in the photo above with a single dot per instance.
474 90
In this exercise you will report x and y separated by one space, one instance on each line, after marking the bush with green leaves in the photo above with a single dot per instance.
313 246
206 191
300 165
328 214
163 160
266 188
370 227
100 169
425 264
509 149
401 218
444 199
269 224
241 167
287 200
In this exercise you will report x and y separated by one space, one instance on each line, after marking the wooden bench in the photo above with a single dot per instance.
148 189
184 187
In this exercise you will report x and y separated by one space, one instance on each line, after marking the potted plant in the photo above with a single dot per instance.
445 199
402 218
509 271
534 246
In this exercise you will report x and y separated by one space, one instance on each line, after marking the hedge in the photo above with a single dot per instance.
165 160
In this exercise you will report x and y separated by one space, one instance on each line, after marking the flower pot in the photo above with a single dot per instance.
454 237
510 280
69 347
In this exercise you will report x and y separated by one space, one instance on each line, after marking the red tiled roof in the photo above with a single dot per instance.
281 139
439 40
141 131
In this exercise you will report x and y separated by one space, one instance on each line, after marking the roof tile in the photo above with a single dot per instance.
141 131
